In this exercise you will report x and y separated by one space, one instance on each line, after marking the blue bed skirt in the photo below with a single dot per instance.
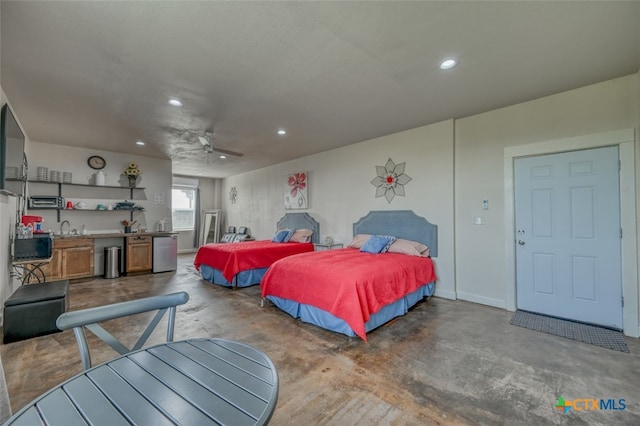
324 319
242 279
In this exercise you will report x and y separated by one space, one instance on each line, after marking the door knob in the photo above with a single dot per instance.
521 242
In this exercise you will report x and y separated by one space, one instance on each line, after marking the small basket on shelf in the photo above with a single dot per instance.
127 225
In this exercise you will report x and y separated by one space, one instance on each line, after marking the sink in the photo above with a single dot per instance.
60 235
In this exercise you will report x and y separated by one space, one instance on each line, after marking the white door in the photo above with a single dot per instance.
568 260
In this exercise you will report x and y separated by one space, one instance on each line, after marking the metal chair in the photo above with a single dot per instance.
5 405
89 318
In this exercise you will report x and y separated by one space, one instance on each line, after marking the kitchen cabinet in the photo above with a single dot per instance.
139 253
72 258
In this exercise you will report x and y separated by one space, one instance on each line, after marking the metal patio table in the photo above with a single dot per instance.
189 382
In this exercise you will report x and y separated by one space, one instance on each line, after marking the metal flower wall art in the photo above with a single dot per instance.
391 180
295 194
233 195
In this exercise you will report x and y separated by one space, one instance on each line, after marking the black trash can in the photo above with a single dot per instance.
112 262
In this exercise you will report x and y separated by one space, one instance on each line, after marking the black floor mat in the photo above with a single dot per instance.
586 333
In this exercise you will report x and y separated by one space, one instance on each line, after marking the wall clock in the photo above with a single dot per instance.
96 162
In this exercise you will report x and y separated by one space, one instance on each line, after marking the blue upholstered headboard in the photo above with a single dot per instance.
401 223
301 221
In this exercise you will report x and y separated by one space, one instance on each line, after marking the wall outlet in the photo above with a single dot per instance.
485 204
478 221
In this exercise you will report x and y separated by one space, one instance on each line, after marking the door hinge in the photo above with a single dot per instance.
620 233
622 301
619 165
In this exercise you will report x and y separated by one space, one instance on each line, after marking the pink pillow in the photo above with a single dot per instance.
358 241
412 248
301 236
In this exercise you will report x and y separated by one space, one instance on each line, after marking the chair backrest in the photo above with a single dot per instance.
89 319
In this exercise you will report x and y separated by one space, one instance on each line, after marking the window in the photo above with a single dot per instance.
183 208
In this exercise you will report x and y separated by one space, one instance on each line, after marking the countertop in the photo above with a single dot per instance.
116 235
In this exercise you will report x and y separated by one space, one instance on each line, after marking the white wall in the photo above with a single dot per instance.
210 193
637 173
471 262
480 143
340 191
156 179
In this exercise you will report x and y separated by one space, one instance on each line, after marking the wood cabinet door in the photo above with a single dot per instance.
77 262
139 254
53 269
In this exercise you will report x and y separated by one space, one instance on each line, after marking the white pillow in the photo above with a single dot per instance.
301 236
358 241
412 248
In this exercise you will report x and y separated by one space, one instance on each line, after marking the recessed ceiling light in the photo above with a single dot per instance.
448 64
223 156
139 143
175 102
282 132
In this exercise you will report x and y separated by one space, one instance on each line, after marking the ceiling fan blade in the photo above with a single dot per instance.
227 152
208 145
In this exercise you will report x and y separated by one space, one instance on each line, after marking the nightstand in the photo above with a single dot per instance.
324 246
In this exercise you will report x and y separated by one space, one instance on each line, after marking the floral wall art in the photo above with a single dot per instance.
390 180
296 191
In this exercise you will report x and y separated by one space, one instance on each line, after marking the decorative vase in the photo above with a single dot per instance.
132 181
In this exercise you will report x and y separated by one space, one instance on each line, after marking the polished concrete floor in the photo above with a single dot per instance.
445 362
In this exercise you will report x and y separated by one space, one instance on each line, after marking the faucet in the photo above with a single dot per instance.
62 227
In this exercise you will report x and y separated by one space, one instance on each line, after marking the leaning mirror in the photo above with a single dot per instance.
210 226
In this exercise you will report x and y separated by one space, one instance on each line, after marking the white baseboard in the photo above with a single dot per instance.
445 294
496 303
187 251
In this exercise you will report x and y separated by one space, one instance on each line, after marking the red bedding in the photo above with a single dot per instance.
231 258
350 284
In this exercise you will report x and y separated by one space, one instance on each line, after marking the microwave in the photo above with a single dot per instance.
38 247
46 202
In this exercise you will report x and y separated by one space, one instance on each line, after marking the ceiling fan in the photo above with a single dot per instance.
208 146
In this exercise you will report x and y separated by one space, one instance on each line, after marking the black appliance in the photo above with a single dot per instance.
38 247
46 202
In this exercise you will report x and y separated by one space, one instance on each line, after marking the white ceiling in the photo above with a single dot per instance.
99 74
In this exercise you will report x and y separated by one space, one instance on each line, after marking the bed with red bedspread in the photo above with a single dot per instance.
350 291
232 258
242 264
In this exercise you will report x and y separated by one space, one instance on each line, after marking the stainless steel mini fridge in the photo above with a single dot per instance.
165 253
